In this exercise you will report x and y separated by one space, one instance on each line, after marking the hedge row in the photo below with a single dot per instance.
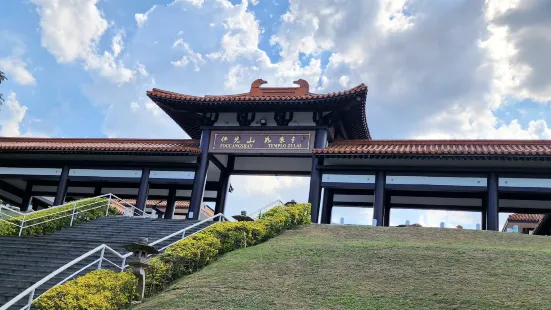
99 289
182 258
58 218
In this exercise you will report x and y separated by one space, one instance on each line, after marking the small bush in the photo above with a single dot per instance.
182 258
60 218
97 290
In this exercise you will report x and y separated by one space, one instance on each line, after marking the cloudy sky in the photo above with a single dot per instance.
435 69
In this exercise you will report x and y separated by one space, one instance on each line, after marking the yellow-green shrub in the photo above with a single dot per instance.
97 290
58 218
183 257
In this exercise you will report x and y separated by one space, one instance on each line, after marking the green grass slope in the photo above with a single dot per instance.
352 267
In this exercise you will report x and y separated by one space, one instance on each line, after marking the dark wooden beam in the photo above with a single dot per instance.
171 200
200 177
341 185
379 198
434 207
493 202
217 163
225 175
143 189
11 189
269 172
62 186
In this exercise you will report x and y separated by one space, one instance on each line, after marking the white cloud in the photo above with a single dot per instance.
117 45
142 70
11 116
142 18
189 55
71 31
520 44
16 68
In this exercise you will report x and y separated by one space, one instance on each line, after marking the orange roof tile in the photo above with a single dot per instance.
185 109
520 217
260 94
98 145
438 147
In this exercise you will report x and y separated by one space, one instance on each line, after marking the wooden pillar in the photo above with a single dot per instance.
62 186
484 214
200 177
386 219
143 190
328 195
379 199
493 202
170 203
27 197
97 191
224 184
315 176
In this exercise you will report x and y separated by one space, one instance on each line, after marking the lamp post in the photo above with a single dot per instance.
139 260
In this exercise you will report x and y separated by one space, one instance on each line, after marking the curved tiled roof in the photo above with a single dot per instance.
59 145
185 109
179 204
438 147
521 217
275 96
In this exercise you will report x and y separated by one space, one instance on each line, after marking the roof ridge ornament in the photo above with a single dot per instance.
256 91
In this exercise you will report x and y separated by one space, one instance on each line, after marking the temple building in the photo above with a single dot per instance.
282 131
525 223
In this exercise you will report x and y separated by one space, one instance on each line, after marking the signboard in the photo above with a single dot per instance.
261 142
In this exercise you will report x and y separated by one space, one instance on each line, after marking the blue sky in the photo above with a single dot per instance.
448 69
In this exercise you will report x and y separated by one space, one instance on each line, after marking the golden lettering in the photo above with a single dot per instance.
293 139
281 139
236 140
267 140
251 140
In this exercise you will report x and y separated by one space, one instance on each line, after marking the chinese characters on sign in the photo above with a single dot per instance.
261 142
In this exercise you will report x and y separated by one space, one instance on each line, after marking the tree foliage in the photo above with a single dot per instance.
2 78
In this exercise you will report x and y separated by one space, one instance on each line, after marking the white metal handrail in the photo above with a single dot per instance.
271 204
79 206
30 292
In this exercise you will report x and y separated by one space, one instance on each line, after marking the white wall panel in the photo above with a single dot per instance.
348 178
525 182
424 180
105 173
180 175
30 171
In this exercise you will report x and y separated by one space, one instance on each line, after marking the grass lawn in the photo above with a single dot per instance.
355 267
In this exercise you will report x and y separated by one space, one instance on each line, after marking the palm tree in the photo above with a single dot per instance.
2 78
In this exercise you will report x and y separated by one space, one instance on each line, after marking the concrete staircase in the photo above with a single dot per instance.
26 260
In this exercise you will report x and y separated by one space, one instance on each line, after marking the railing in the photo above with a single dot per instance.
100 250
270 205
72 209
